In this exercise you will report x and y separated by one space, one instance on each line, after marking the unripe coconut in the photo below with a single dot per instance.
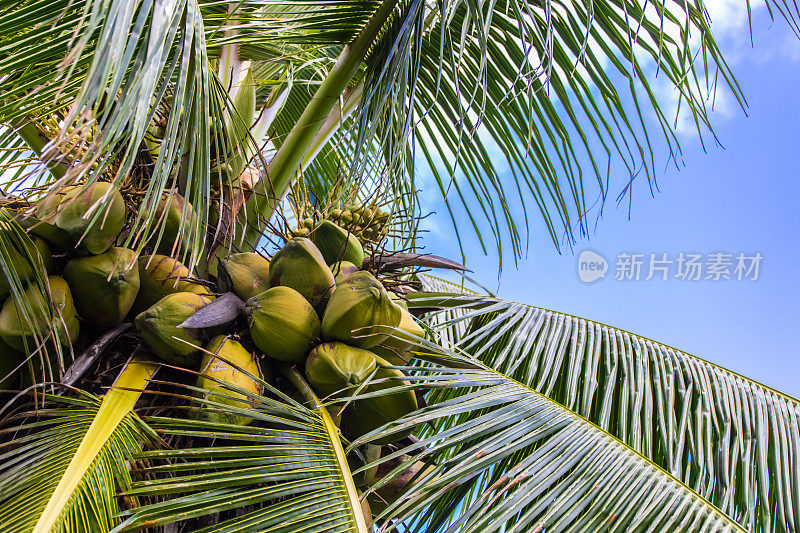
10 359
75 208
171 210
22 268
283 324
104 286
158 327
341 270
357 310
363 416
336 367
16 331
246 274
226 366
159 276
337 244
300 265
395 349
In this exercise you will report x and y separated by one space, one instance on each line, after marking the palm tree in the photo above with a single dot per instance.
261 114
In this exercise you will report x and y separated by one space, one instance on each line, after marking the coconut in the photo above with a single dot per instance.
171 211
358 309
230 364
300 265
61 317
104 286
22 268
342 270
335 367
75 209
283 325
368 414
337 244
159 276
246 274
396 349
158 327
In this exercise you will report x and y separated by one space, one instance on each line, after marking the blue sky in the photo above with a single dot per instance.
739 197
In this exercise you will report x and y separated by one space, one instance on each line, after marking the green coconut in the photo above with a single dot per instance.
358 310
159 276
230 364
337 244
336 367
171 210
23 269
18 332
246 274
104 286
342 270
283 325
363 416
158 327
300 266
75 209
396 348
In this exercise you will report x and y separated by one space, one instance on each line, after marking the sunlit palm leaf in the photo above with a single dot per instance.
284 472
502 457
21 266
731 439
108 65
61 467
543 86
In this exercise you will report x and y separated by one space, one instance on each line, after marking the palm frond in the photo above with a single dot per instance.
97 73
22 267
731 439
560 91
285 472
63 465
498 456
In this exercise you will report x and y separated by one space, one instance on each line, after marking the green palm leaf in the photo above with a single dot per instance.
63 465
734 441
500 456
21 265
285 472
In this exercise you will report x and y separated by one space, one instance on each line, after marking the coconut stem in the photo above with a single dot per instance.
291 373
37 142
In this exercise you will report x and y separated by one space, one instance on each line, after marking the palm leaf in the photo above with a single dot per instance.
63 466
500 456
285 472
734 441
96 73
21 266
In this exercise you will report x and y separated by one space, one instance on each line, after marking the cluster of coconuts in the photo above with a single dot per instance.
309 305
98 282
369 224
